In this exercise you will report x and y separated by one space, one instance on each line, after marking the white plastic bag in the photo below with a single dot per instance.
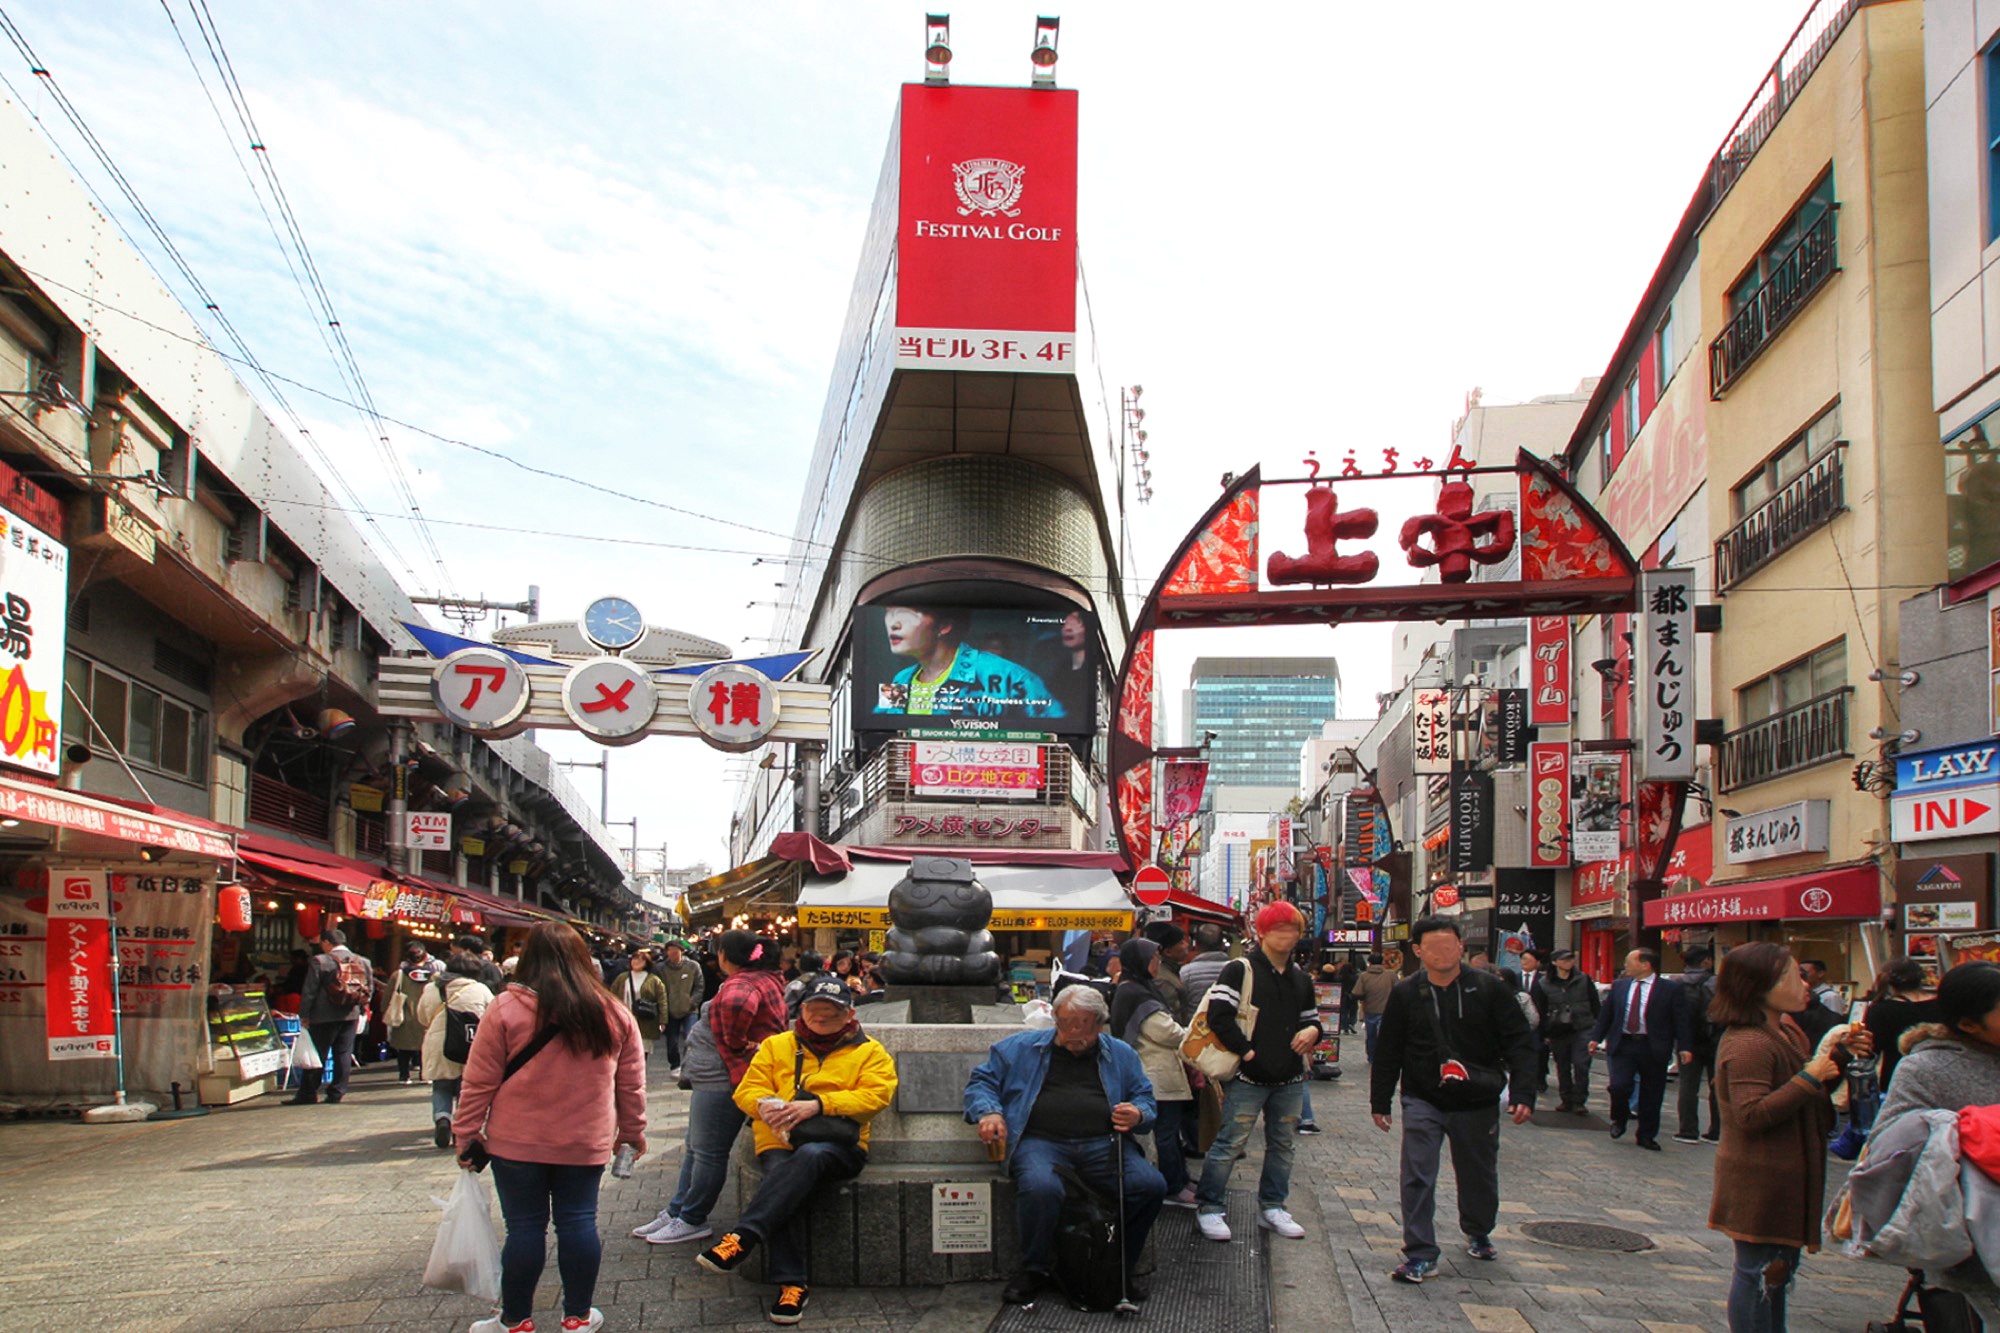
305 1055
1038 1014
466 1254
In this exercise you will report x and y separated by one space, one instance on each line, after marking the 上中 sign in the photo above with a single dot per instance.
961 1217
974 770
1548 667
1663 655
427 830
1784 830
1430 731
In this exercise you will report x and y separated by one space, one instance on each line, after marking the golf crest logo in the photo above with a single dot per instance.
988 185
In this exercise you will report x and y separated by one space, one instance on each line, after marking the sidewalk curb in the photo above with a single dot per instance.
1306 1290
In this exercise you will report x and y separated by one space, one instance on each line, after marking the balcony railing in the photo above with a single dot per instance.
1808 45
277 805
1812 733
1781 522
1802 272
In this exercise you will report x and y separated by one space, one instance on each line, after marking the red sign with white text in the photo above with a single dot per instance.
1548 804
76 963
986 229
1549 691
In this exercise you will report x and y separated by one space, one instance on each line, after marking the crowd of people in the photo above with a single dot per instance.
557 1086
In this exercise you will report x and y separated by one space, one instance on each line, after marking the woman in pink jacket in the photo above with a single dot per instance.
556 1081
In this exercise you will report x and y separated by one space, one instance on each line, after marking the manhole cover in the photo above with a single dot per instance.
1586 1236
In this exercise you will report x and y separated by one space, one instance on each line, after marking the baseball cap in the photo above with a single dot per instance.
828 988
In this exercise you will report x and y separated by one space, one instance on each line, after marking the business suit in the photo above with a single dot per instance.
1643 1056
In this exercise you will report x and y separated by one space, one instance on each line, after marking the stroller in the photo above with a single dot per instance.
1923 1309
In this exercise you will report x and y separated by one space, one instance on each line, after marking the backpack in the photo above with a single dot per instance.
460 1027
350 984
1090 1245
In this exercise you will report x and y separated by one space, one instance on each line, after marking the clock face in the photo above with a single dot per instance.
613 624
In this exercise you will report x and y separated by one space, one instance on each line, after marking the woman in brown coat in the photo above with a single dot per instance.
1770 1168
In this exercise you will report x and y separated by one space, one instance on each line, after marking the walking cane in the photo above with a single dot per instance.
1126 1306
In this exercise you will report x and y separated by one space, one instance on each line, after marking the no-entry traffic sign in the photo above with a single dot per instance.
1151 885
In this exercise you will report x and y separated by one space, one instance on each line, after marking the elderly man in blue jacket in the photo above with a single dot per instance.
1054 1098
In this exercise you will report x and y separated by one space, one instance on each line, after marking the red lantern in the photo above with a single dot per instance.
233 903
309 921
378 930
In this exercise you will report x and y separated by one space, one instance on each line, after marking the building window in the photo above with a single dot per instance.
1663 350
1630 401
1972 498
1798 260
1993 145
1816 674
1779 248
1604 452
151 729
1787 465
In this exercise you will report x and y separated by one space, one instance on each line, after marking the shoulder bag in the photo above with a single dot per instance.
821 1128
475 1156
1453 1068
643 1009
1202 1048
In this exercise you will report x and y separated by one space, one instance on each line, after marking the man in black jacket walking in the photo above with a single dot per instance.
1455 1038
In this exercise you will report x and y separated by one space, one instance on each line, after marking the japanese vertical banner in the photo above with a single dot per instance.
1663 650
77 966
1430 724
1548 649
1548 828
1181 785
1471 821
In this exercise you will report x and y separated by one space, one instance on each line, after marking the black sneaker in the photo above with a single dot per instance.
1308 1127
1687 1138
790 1307
1482 1248
441 1132
728 1254
1413 1271
1024 1287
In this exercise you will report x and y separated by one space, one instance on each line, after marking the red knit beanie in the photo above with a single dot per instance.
1279 914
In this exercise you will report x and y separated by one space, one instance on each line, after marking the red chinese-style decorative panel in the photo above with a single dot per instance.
1135 812
1561 538
1223 559
1135 699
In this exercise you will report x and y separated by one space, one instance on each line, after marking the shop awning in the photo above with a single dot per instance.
338 878
1850 893
1032 897
110 819
1203 909
770 881
478 907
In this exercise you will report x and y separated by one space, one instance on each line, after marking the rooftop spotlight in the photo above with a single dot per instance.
1044 54
937 48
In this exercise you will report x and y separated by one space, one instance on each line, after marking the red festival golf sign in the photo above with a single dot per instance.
986 229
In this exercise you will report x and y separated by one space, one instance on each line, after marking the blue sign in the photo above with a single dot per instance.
1973 765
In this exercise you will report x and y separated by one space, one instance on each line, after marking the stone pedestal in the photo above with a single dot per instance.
938 1004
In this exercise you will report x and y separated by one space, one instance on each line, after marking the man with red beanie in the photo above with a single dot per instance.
1271 1080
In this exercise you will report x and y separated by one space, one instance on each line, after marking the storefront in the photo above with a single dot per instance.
1817 915
1598 915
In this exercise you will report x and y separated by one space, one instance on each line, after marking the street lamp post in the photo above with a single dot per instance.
603 767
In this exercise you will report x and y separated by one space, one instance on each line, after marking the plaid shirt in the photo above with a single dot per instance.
747 1008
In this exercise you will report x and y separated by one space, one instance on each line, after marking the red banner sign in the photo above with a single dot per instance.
1549 692
77 968
1548 809
44 805
384 900
986 229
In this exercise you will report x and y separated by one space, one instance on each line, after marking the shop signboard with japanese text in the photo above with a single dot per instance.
923 664
1596 817
1471 822
1548 805
34 593
986 229
1430 731
77 965
976 770
1663 660
1785 830
1548 652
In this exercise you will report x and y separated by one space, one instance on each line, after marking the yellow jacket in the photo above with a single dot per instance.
857 1080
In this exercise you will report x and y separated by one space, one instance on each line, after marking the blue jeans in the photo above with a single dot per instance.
674 1032
1167 1143
529 1192
780 1210
1370 1025
1038 1191
712 1127
1306 1103
444 1096
1763 1275
1241 1105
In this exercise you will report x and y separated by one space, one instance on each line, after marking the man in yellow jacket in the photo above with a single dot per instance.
810 1093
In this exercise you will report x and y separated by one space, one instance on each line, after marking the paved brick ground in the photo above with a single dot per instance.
271 1217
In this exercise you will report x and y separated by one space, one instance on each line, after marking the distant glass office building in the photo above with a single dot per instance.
1261 710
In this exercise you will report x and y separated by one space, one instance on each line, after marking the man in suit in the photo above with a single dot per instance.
1643 1027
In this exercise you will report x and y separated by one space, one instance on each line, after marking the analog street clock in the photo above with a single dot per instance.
613 624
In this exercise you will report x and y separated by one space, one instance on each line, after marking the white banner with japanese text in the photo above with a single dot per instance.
1663 661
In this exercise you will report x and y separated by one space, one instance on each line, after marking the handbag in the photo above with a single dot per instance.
821 1128
1481 1080
1202 1048
643 1009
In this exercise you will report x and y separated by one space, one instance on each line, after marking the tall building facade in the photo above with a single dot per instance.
1261 710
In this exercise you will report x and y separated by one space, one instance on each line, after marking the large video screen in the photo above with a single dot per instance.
920 664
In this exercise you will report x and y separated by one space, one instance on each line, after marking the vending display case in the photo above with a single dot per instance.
246 1055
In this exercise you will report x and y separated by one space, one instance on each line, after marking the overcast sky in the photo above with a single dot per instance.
616 240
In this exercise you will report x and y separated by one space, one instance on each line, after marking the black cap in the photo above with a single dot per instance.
1557 955
828 988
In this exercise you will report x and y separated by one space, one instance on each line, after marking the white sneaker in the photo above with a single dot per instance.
1213 1225
647 1229
588 1324
676 1231
1280 1221
1185 1199
494 1325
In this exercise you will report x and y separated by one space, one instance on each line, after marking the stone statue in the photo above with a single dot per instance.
937 936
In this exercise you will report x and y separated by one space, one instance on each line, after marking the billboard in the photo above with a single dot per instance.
34 601
977 770
986 229
1548 647
921 664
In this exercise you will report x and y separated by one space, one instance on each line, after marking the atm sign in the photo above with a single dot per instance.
1965 812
